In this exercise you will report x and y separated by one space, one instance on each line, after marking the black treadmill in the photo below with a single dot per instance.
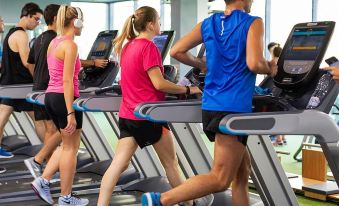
132 181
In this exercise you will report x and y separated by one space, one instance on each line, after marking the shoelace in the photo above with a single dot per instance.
74 199
45 186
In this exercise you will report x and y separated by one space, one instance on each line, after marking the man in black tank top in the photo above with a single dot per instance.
2 28
15 69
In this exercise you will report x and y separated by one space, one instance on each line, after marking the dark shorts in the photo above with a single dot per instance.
211 120
19 105
144 132
40 113
56 109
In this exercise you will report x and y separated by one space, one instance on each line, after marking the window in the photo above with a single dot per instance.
284 17
94 22
153 3
327 11
120 11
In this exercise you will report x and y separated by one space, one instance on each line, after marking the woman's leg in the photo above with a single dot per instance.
68 160
168 158
125 149
228 155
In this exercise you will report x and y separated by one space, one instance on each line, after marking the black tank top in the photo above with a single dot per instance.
12 69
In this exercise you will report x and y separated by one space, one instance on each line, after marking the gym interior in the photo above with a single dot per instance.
293 144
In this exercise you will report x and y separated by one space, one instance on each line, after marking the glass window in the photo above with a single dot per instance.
284 17
153 3
94 22
327 11
258 9
166 16
120 12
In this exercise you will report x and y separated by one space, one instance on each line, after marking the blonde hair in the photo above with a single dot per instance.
135 23
65 15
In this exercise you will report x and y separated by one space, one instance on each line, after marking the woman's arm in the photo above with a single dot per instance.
71 51
163 85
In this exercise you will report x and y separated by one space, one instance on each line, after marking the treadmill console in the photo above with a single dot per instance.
164 41
102 46
303 53
101 49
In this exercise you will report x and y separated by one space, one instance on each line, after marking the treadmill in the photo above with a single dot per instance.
139 176
291 91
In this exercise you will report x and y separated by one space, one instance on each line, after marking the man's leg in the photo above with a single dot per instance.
228 156
39 126
5 113
240 182
52 140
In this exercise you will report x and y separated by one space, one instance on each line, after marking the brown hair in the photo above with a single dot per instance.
65 15
138 22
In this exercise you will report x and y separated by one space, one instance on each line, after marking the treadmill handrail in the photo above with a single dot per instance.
147 110
96 103
302 122
15 91
142 108
32 97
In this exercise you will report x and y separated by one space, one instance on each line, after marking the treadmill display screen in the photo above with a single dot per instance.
160 42
101 45
303 49
305 44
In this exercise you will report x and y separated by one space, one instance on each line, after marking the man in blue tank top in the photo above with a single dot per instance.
234 55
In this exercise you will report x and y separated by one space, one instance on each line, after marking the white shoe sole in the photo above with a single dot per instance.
6 157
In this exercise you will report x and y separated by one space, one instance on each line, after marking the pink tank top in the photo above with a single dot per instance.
56 69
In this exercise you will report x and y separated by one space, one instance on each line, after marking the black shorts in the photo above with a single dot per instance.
211 120
144 132
19 105
56 108
40 113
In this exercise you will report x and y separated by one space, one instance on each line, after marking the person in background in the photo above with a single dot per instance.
275 51
16 70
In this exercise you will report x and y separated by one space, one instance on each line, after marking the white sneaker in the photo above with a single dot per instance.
41 188
34 168
72 200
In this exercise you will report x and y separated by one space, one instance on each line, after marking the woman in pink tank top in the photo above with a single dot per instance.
64 66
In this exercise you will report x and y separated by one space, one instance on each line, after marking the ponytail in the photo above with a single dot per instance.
65 16
61 19
127 33
135 24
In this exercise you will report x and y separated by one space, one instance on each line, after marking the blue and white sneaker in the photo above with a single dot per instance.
151 199
42 190
5 154
72 200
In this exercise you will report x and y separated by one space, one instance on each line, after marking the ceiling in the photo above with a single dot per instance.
114 1
100 1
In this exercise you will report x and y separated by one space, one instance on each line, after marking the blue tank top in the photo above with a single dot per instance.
229 84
